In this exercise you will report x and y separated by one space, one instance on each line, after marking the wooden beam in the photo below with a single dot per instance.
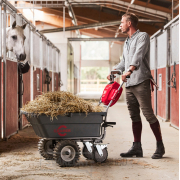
141 14
152 6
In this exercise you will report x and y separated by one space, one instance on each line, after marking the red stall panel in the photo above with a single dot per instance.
161 93
11 98
37 82
174 101
26 94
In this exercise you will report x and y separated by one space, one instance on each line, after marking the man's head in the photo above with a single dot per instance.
129 20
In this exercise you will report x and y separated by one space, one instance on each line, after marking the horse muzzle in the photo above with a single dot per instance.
21 57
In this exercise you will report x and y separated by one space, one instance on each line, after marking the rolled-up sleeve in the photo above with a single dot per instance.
121 65
143 43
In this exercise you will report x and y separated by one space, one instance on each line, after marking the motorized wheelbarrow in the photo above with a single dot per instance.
59 137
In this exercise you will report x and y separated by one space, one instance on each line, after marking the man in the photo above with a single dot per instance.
135 63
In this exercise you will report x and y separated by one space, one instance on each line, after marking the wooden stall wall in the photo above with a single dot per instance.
162 59
174 93
26 94
174 102
37 84
11 98
161 93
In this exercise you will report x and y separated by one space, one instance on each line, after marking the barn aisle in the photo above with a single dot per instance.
20 160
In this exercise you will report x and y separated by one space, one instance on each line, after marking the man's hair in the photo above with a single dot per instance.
131 17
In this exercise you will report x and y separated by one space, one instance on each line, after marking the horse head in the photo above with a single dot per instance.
15 41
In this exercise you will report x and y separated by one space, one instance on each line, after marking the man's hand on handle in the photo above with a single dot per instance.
108 77
125 75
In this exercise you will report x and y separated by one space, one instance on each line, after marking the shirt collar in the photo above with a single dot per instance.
128 38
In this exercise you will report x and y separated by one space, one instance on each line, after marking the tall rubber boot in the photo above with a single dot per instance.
136 150
160 151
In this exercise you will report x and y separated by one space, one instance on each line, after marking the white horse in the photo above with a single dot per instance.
15 41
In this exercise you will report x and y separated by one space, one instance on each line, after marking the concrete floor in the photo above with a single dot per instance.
20 160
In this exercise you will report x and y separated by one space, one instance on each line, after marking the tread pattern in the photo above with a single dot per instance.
42 149
57 153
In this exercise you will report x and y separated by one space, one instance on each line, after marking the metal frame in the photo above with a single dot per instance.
122 39
4 72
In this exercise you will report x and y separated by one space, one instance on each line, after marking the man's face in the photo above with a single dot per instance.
125 25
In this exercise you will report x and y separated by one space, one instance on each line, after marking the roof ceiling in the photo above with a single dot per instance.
92 11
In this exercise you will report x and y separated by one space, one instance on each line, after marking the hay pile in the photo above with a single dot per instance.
60 103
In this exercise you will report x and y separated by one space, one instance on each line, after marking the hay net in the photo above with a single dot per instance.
60 103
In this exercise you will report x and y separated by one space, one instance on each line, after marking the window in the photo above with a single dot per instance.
94 50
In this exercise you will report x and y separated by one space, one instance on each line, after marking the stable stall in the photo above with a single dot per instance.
164 64
173 29
19 84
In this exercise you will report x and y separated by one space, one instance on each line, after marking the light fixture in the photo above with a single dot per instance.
132 1
112 44
70 14
96 28
77 32
73 22
66 3
116 35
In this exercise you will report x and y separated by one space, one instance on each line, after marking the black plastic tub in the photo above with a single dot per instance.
70 126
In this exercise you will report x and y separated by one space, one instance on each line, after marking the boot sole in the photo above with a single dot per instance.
157 157
132 155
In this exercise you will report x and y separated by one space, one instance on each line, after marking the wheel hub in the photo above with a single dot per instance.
49 147
68 153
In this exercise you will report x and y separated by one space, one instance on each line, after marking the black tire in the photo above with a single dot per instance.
98 158
66 153
46 148
87 154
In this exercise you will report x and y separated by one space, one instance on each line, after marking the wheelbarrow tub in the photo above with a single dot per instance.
70 126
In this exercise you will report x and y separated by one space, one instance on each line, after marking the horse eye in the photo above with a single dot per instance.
14 37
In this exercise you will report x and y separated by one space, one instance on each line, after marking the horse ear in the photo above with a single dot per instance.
14 24
24 26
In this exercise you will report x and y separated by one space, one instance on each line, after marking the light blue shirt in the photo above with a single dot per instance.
136 52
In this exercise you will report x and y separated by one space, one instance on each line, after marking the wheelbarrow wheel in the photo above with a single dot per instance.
46 148
98 158
87 154
66 153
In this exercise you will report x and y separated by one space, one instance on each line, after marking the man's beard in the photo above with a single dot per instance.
126 30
